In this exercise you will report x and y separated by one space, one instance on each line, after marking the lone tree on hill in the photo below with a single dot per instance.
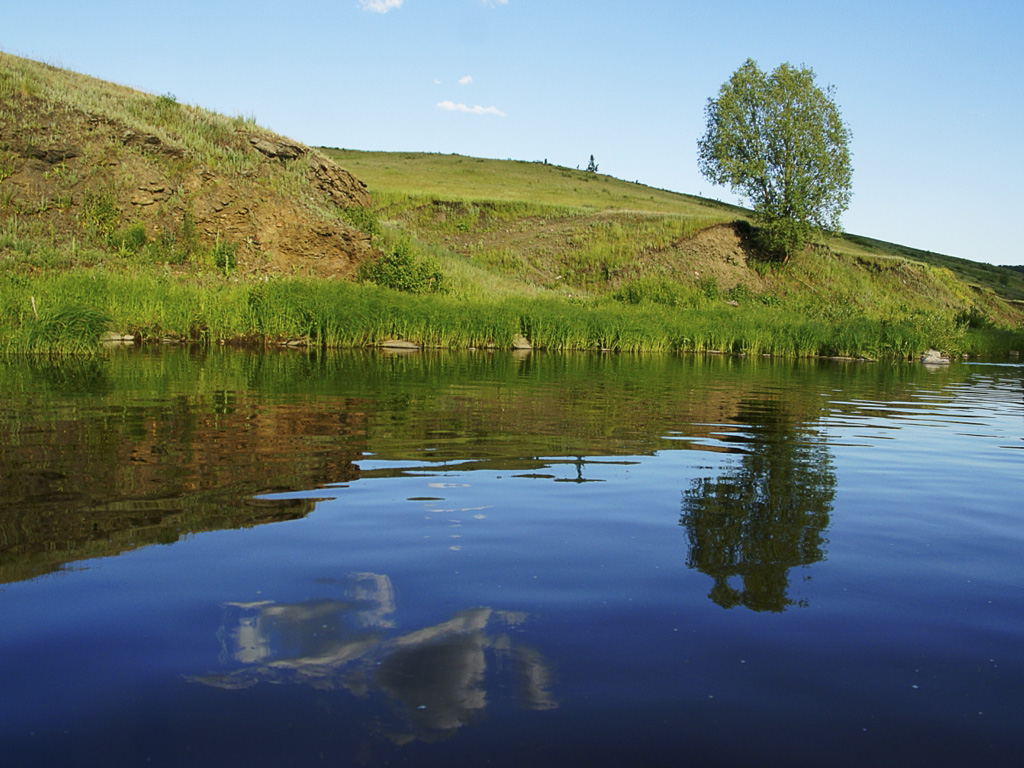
779 141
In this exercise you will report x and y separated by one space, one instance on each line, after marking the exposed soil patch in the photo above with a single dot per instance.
566 246
721 252
77 175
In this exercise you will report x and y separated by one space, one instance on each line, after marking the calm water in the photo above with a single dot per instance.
235 559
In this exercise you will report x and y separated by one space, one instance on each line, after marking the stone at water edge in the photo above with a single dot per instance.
934 357
399 344
112 337
521 342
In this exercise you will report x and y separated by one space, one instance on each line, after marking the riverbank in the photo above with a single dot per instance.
130 214
68 312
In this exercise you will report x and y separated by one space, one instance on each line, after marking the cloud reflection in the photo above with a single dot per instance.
437 674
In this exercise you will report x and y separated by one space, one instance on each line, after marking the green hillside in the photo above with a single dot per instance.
529 226
127 213
92 172
394 175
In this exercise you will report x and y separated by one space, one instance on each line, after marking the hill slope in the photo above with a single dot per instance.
528 226
82 160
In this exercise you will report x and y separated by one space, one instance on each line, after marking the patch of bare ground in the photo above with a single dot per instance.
541 249
722 253
61 168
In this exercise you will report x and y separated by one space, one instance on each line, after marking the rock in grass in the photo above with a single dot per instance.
521 342
282 150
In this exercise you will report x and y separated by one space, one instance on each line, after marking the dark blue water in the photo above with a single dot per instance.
228 560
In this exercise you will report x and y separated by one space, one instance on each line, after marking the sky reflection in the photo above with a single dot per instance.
437 675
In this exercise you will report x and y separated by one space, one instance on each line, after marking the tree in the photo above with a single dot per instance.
779 141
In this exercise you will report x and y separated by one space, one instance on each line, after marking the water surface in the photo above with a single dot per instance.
227 558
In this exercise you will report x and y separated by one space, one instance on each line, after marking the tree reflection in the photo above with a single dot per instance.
763 516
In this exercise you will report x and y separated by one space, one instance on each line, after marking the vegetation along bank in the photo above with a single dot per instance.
128 214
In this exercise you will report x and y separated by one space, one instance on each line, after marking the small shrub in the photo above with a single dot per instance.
973 318
178 247
224 255
6 165
129 241
779 239
709 287
189 234
740 293
363 219
653 290
402 270
99 214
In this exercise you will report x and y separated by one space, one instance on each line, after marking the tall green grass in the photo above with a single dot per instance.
67 312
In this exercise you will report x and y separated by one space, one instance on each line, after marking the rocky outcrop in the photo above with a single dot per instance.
50 156
344 189
276 148
83 173
151 192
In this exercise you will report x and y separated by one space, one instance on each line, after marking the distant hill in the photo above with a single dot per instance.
1001 280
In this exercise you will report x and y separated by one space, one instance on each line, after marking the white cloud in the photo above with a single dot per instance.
380 6
436 81
493 3
466 80
451 106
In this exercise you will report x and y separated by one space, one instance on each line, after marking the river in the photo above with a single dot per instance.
223 557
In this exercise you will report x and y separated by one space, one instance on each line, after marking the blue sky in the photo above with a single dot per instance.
932 91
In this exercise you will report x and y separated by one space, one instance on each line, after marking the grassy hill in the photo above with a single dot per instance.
544 227
127 212
398 176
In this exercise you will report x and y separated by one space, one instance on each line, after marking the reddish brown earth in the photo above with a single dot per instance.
55 158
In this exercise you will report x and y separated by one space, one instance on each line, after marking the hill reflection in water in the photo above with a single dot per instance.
100 456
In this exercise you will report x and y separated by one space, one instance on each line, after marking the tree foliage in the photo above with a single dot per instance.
779 141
